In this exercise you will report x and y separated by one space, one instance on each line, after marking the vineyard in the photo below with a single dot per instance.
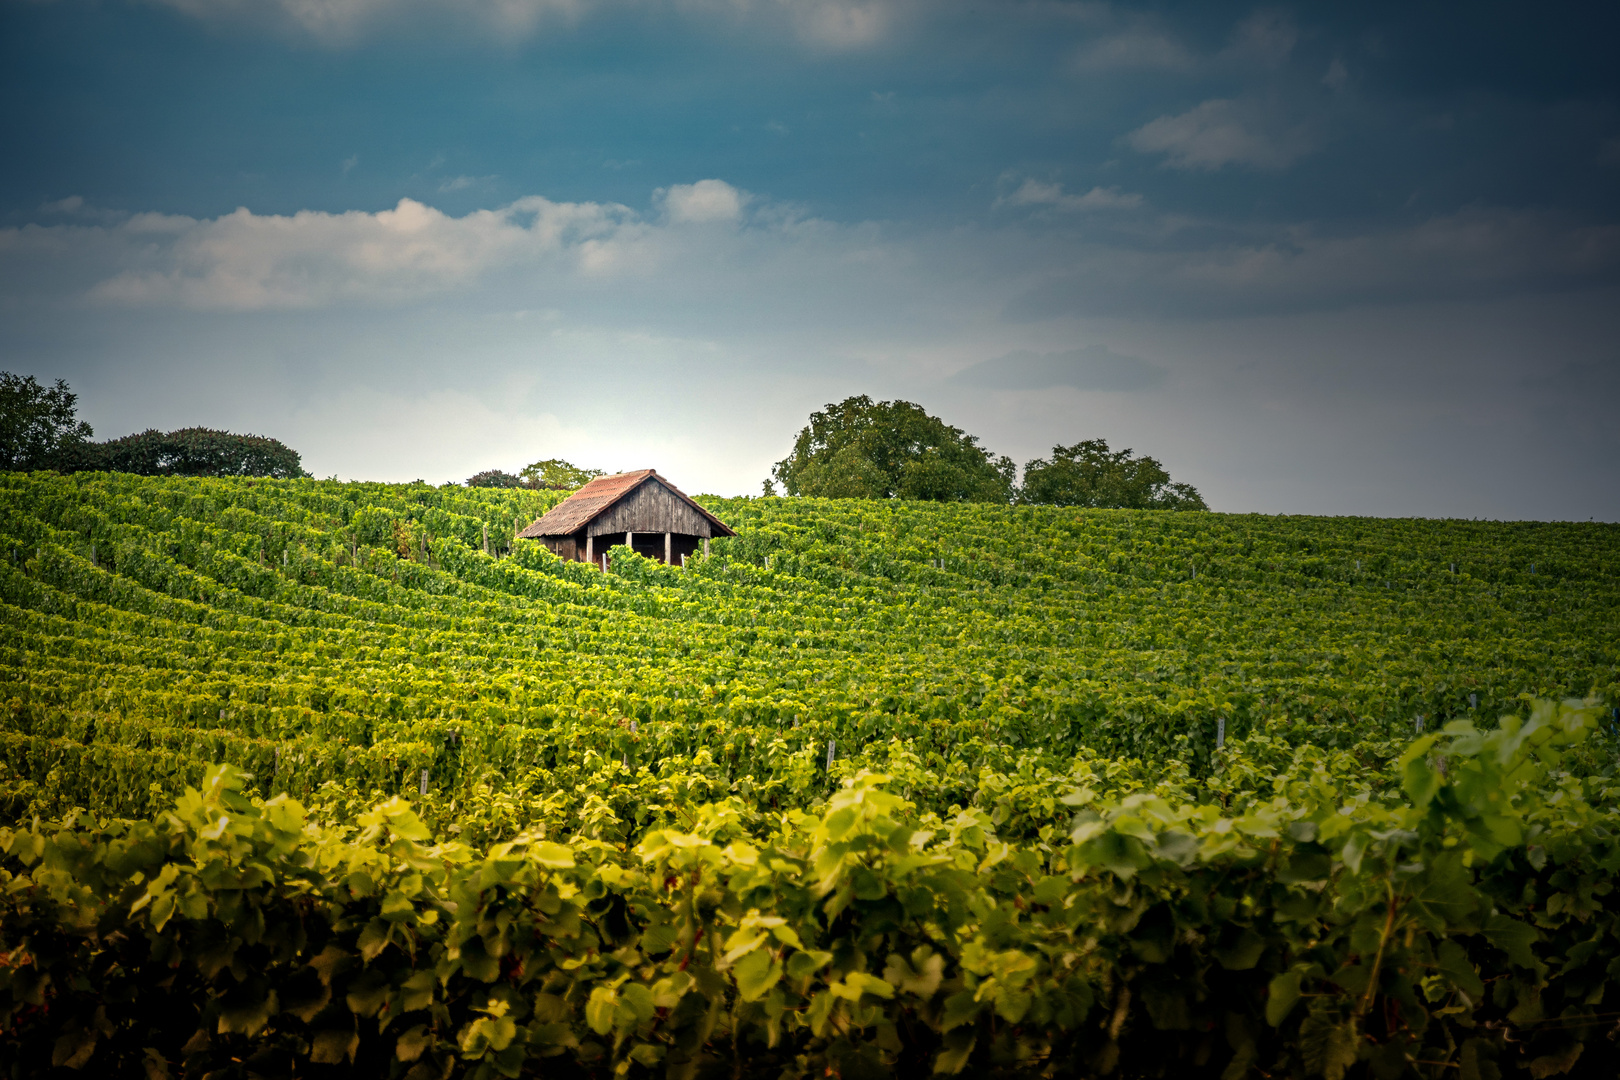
306 778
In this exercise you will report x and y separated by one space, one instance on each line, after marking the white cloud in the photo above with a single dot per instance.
462 183
1223 132
1034 193
1266 37
704 201
75 208
783 272
337 21
1131 50
839 24
248 261
821 24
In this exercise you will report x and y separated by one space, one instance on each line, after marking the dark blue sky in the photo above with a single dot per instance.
1344 244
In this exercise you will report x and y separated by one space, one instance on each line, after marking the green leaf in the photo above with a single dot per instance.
804 964
1557 1063
1328 1045
1354 848
1474 1063
756 974
1418 779
155 1065
1453 961
960 1008
551 855
373 938
367 993
330 1047
599 1009
1282 994
73 1050
412 1043
956 1048
1512 937
1242 952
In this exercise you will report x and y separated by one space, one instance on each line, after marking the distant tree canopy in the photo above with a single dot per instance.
494 478
193 451
865 449
1089 474
558 474
39 430
38 424
553 474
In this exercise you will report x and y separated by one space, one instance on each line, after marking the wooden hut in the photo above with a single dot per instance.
640 509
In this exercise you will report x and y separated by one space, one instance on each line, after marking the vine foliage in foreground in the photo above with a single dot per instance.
1463 927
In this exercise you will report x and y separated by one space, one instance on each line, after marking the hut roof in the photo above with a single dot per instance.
596 497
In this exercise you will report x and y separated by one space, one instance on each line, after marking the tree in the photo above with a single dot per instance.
192 451
1089 474
494 478
557 474
38 424
865 449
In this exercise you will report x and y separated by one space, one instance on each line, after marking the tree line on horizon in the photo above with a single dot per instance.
865 449
40 429
855 449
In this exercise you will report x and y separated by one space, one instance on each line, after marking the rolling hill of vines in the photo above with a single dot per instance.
874 789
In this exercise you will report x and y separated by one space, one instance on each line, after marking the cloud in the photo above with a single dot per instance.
247 261
1035 193
823 24
1134 49
839 24
462 183
703 202
782 270
1266 37
1222 132
1474 253
74 207
340 21
1090 367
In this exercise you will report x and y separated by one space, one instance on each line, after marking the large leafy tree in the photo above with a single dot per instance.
1090 474
38 424
553 474
189 452
557 474
494 478
865 449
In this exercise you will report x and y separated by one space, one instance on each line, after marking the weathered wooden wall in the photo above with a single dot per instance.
650 509
567 546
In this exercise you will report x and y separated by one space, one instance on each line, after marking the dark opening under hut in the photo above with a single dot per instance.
640 509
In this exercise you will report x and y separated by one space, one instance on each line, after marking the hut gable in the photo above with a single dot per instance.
632 502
